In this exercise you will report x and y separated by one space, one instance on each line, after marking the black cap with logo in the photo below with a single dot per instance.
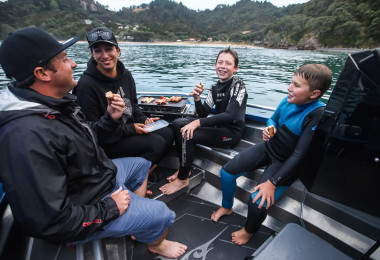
22 51
100 34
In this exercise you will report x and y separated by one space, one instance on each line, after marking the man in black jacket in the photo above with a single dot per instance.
59 183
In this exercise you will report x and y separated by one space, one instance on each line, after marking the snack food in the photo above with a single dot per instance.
109 95
147 100
175 99
161 100
202 86
271 130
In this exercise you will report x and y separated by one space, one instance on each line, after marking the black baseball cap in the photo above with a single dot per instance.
100 34
22 51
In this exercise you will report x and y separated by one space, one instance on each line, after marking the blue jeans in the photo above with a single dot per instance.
145 219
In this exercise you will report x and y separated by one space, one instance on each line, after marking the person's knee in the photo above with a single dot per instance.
179 123
142 162
163 216
226 177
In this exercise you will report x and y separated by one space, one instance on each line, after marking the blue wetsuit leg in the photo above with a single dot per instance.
247 160
228 187
257 216
277 194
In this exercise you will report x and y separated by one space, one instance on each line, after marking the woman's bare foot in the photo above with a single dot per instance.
241 236
174 186
168 249
173 177
219 213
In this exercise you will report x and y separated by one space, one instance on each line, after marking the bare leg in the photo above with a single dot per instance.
241 236
174 186
141 191
219 213
152 169
167 248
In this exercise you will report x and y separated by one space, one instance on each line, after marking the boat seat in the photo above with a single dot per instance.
6 219
297 243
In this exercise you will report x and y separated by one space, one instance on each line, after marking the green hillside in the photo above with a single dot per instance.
317 23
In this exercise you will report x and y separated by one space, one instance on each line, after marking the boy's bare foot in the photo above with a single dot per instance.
174 186
173 177
168 249
241 237
220 212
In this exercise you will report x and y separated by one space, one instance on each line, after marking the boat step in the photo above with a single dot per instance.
329 220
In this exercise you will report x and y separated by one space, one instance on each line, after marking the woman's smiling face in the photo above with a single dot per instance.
106 55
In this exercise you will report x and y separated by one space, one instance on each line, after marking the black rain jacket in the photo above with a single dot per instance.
54 174
91 90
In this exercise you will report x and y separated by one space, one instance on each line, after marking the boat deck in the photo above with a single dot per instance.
350 231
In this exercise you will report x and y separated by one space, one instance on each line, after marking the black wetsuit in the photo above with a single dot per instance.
281 155
124 142
224 129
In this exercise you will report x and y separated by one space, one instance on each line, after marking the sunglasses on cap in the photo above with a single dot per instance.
94 36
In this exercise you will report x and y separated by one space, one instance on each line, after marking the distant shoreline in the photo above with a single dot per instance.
189 43
227 44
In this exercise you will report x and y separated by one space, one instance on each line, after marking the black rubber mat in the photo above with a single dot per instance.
205 239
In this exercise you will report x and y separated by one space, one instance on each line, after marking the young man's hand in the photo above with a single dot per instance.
197 91
116 107
266 134
188 130
122 199
266 192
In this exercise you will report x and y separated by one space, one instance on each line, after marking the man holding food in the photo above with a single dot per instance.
106 73
224 129
59 183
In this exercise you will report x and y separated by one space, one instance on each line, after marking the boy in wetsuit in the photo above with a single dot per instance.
224 129
294 122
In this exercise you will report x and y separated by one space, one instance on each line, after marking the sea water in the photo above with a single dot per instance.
167 68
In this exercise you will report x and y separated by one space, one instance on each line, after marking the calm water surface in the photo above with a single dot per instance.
266 72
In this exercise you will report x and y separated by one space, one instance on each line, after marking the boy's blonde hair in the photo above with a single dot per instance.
318 76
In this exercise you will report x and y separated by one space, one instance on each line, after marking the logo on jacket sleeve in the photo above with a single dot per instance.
96 221
49 116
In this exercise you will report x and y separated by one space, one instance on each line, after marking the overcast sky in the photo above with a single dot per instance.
116 5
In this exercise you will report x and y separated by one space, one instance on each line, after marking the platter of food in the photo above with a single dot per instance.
163 103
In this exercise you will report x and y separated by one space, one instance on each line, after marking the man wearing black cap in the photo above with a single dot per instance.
58 181
105 72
